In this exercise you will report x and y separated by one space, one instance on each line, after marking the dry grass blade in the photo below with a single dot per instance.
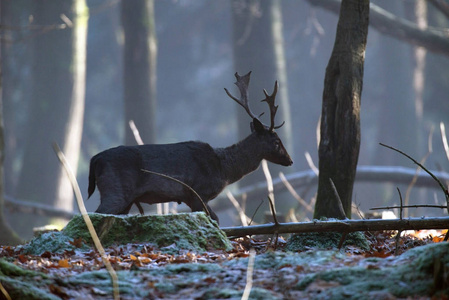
243 217
267 174
292 191
90 226
444 139
310 163
249 274
4 292
136 133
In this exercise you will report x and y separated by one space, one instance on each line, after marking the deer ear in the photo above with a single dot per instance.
257 126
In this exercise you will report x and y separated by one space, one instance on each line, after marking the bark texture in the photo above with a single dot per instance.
340 117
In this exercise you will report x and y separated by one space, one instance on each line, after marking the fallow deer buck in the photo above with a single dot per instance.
118 172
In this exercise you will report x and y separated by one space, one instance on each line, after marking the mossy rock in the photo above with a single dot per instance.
187 231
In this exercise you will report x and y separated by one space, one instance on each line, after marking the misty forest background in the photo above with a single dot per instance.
74 73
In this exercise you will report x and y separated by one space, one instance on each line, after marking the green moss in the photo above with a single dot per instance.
411 274
14 280
11 270
192 231
17 289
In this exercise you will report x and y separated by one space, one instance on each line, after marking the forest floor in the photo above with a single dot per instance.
414 268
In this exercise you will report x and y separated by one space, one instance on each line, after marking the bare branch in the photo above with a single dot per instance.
433 39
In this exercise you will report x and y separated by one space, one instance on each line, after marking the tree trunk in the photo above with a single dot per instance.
57 105
7 235
340 117
139 69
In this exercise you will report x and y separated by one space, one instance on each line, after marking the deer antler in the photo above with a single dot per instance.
242 83
273 108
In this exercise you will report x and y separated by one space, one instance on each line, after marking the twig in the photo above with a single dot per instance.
444 139
339 203
273 211
255 211
249 274
90 226
243 217
310 163
445 190
184 184
396 251
294 194
409 206
269 179
400 199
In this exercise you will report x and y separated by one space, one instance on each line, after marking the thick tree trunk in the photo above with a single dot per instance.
56 107
7 235
139 69
340 118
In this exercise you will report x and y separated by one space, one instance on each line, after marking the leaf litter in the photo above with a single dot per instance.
146 272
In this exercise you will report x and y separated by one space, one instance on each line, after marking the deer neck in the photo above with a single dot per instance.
239 159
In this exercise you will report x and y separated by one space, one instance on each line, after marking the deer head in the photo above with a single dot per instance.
270 143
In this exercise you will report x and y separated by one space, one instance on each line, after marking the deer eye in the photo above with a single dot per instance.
277 145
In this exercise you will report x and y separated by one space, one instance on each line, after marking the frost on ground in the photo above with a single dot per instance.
152 270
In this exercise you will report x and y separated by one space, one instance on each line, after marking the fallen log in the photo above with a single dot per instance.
340 226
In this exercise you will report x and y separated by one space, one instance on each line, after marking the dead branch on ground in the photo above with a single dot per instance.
341 226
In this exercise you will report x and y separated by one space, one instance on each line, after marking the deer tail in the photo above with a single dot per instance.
91 187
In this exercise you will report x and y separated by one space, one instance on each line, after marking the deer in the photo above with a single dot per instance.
191 172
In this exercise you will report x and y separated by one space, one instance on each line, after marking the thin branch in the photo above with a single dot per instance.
409 206
273 210
90 226
442 6
243 217
269 179
445 190
444 139
433 39
135 132
398 236
255 211
310 163
294 194
184 184
401 207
